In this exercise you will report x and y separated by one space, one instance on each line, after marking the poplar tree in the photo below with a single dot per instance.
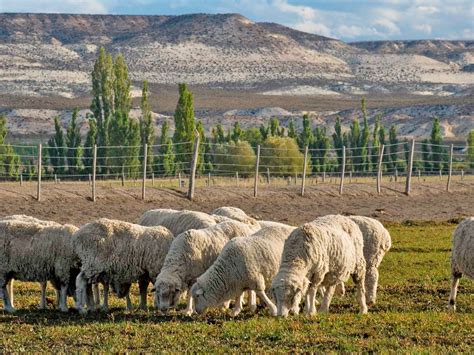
274 127
185 125
354 143
166 157
321 144
292 129
73 142
364 139
147 128
426 156
470 149
10 163
237 132
436 142
338 140
393 140
91 140
57 151
306 136
376 146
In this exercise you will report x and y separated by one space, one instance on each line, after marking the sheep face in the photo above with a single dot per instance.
288 294
167 293
202 298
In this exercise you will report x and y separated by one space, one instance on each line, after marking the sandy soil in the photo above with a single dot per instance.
70 202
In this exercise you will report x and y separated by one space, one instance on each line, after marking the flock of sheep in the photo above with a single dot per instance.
213 259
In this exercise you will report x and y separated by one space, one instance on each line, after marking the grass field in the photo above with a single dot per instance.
410 315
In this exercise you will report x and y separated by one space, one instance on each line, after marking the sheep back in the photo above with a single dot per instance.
462 257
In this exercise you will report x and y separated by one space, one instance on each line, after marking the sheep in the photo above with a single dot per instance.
265 224
462 257
247 263
43 284
235 214
177 221
118 253
190 255
322 253
37 252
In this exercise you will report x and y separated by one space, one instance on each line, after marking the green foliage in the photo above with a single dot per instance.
306 136
91 140
57 150
73 141
274 127
147 127
3 128
282 156
338 139
234 157
237 132
122 84
264 132
253 136
364 141
218 134
166 157
470 149
393 140
321 144
292 129
185 125
354 141
436 150
426 156
376 146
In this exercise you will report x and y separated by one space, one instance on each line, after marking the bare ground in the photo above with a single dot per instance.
70 202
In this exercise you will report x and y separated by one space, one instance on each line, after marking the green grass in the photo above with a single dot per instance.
410 315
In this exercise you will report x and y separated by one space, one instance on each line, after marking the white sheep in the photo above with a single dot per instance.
25 218
235 214
37 252
190 255
247 263
462 257
322 253
118 253
177 221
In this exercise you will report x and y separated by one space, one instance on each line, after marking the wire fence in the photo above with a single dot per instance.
200 164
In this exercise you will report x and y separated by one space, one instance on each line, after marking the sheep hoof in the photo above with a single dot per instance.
273 312
363 311
188 313
253 308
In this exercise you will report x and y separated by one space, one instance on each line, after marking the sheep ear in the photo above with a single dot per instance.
199 291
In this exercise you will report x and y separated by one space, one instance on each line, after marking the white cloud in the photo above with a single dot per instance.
429 10
52 6
423 28
390 27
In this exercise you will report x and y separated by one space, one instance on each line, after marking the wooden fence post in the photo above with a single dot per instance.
448 185
255 182
462 175
123 178
304 170
192 176
152 179
236 178
145 163
379 170
440 175
419 175
343 170
410 168
94 168
268 176
40 167
179 180
209 179
21 179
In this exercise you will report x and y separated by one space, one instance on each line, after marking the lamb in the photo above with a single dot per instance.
462 257
118 253
247 263
190 255
37 252
322 253
235 214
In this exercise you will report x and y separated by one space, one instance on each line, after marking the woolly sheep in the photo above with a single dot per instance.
462 257
37 252
118 253
265 224
25 218
247 263
322 253
177 221
235 214
190 255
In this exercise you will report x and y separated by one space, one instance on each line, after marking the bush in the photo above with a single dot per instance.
234 157
281 155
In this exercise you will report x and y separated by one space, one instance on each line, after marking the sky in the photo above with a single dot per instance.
349 20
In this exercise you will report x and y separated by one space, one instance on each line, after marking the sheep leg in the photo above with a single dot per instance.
359 280
129 302
90 298
252 301
341 289
43 285
190 305
63 298
105 305
96 291
143 286
328 294
10 291
371 283
6 297
58 298
454 290
263 296
239 301
310 304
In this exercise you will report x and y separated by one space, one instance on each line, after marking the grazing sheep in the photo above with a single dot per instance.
235 214
177 221
247 263
322 253
462 257
265 224
118 253
37 252
25 218
190 255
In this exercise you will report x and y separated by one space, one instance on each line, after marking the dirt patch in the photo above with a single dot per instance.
70 202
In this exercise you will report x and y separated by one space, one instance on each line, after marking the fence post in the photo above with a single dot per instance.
192 176
268 176
255 182
343 170
462 175
145 163
21 179
419 175
123 178
448 185
440 175
410 168
94 168
396 175
236 178
40 167
152 179
209 179
324 176
304 170
350 177
379 170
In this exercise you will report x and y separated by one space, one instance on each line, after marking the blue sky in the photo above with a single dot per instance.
349 20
